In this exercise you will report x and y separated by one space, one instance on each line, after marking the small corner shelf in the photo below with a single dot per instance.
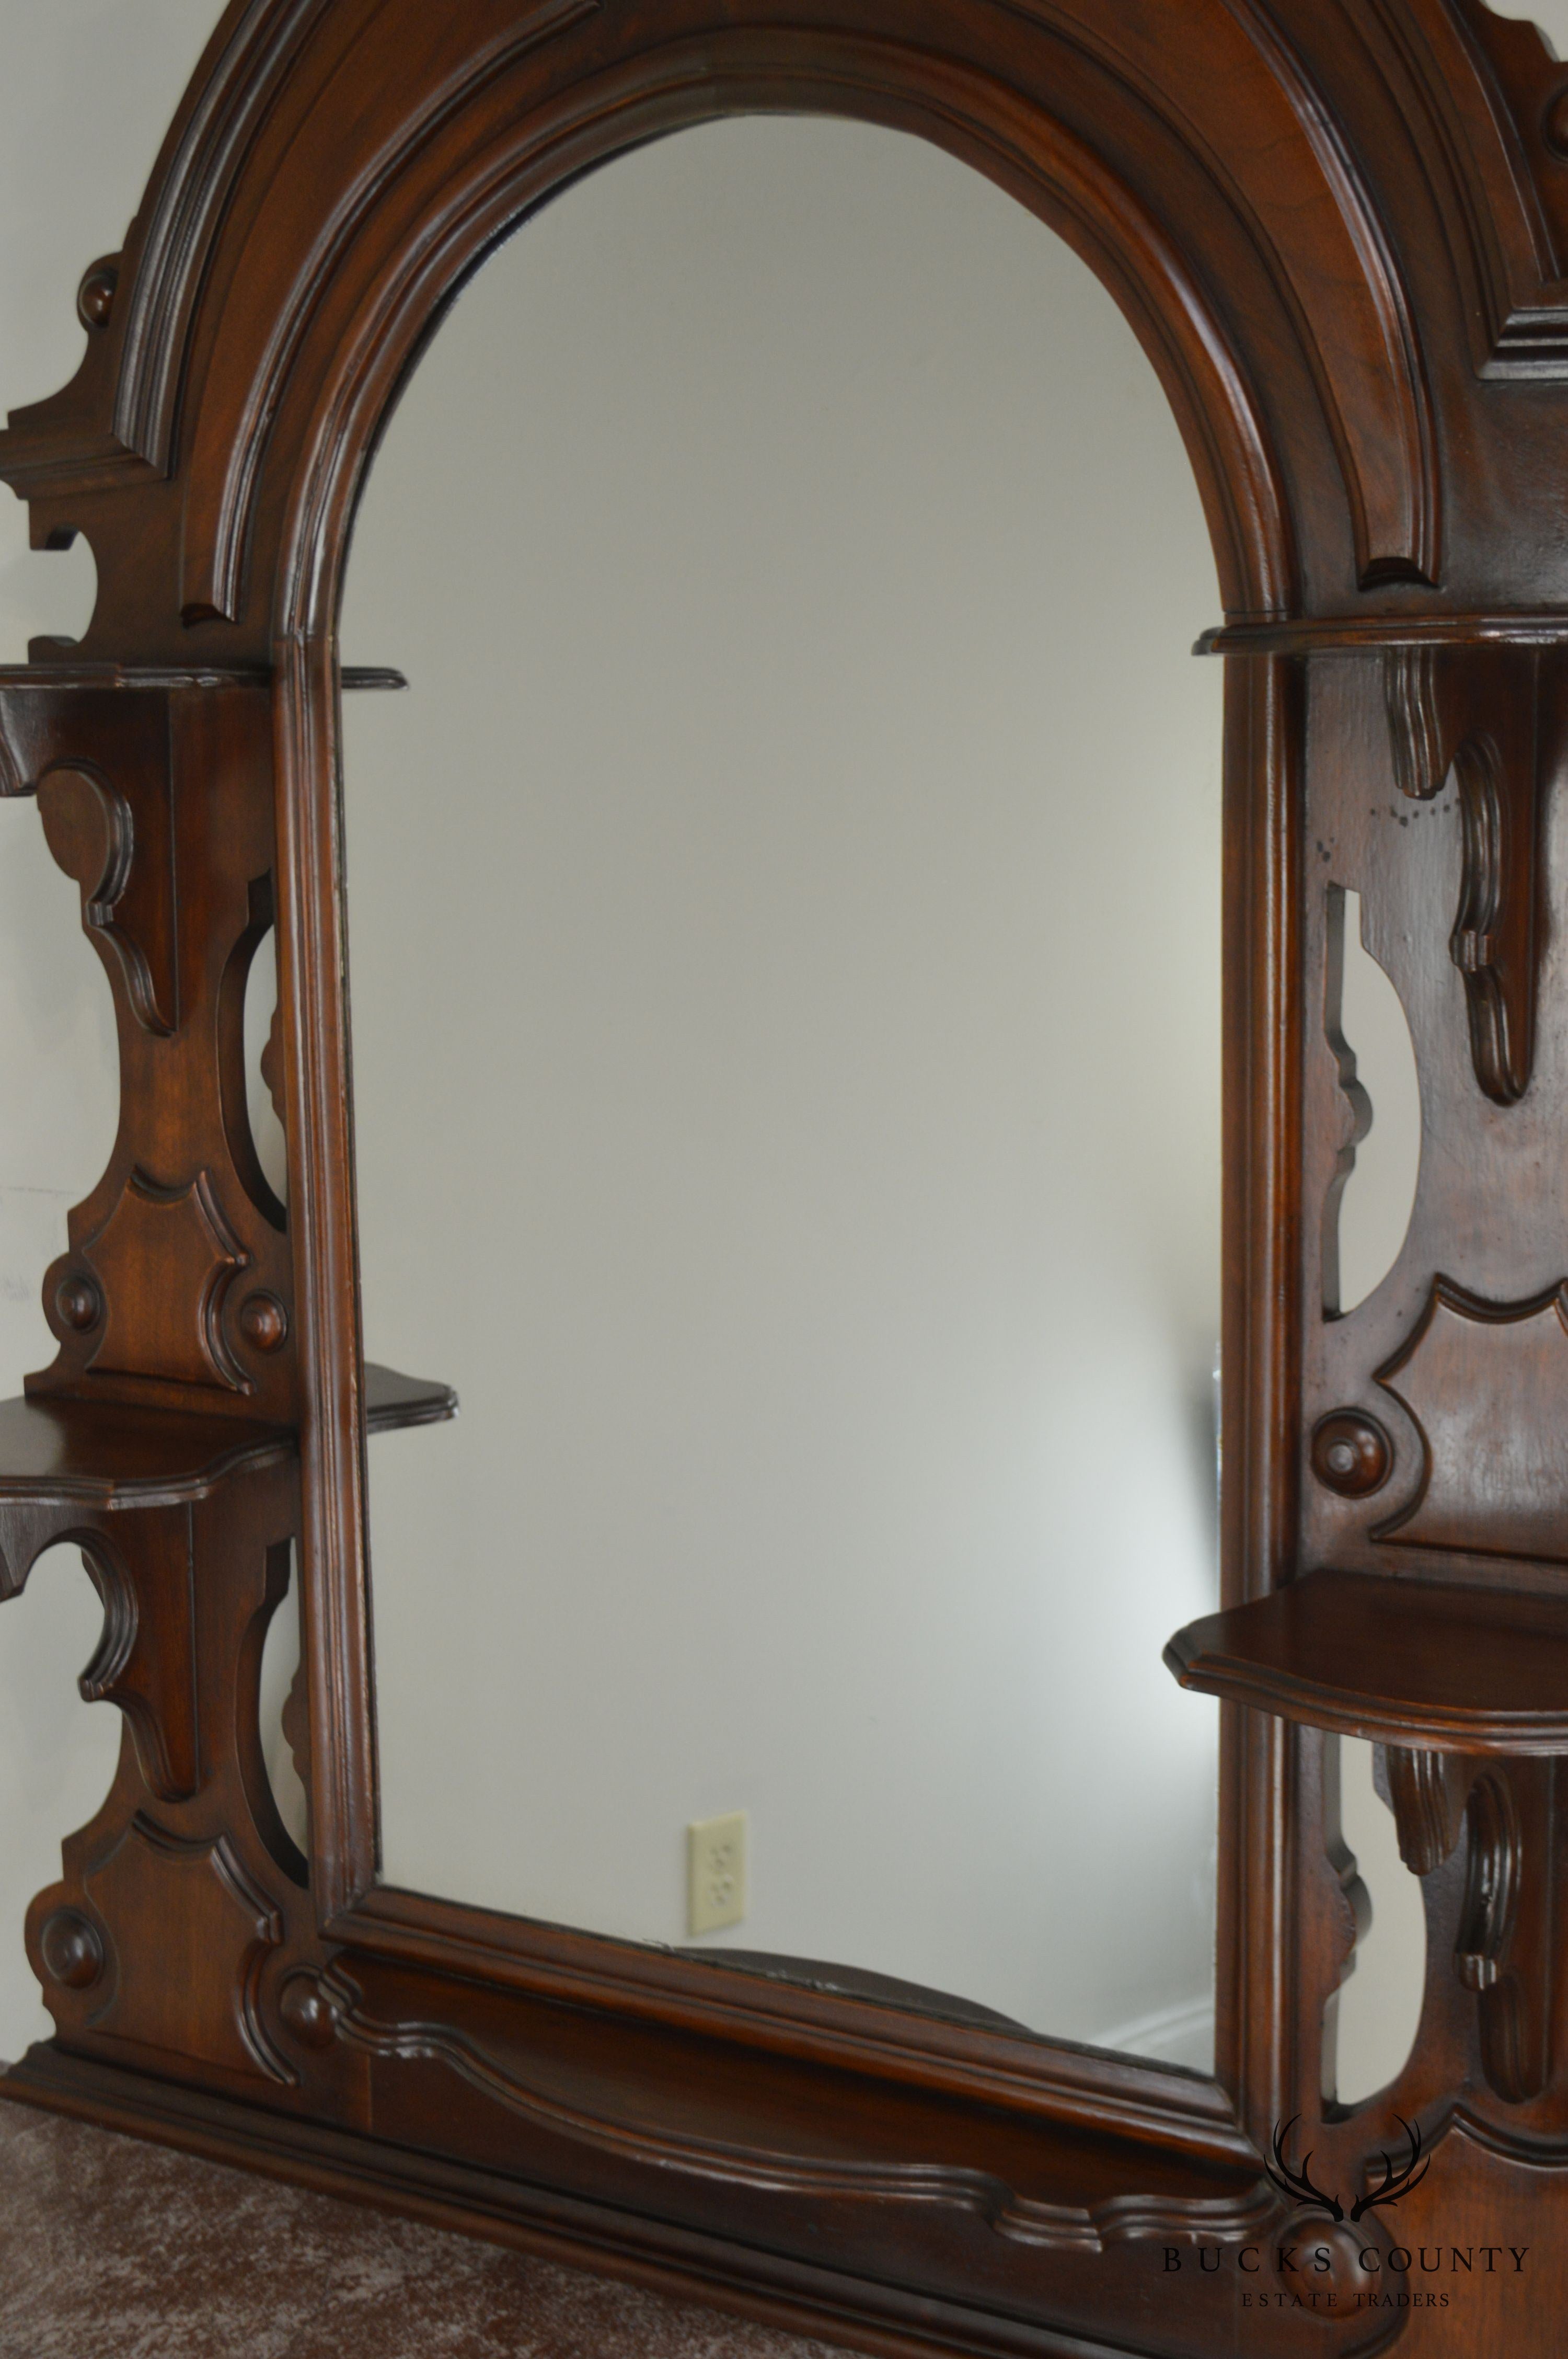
393 1401
1404 1661
99 1455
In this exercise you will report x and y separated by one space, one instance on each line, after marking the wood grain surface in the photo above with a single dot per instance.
1341 233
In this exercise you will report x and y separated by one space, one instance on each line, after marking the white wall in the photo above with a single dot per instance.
89 86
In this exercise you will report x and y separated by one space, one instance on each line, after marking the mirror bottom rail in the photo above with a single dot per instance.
904 2270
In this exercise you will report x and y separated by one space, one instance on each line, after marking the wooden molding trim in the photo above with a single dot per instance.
1335 231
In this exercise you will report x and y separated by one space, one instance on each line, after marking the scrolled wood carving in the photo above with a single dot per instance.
126 768
122 857
1499 987
145 1661
1486 1387
1504 1950
1505 1811
1491 1892
1416 723
1472 714
1332 226
208 1907
1428 1793
166 1258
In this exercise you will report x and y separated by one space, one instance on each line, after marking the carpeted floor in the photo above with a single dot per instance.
114 2249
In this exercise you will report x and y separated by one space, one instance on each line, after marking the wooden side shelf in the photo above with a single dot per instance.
1403 1661
99 1455
52 679
105 1456
393 1401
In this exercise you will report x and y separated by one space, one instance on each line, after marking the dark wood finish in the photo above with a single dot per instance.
1485 1385
1341 233
1401 1661
183 1229
392 1400
1472 714
1351 1453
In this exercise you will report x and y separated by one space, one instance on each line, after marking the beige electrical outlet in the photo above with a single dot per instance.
715 1872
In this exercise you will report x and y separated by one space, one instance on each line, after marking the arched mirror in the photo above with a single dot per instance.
796 924
785 960
715 1361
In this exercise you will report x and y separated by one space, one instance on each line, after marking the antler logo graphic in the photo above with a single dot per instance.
1298 2183
1395 2184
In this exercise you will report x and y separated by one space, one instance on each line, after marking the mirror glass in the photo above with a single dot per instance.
785 953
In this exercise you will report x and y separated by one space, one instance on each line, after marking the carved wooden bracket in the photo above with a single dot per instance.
1428 1792
140 1564
1504 1951
1473 712
120 851
206 1904
146 1660
1486 1387
166 1258
178 1289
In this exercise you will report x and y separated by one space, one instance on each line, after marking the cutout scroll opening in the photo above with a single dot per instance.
261 1016
280 1671
1373 1194
62 1073
1378 2004
56 1765
48 593
255 1134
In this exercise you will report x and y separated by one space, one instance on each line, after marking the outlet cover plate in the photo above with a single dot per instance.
716 1873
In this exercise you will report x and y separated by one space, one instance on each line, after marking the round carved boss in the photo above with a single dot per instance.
78 1303
306 2012
1351 1453
1554 122
73 1949
95 296
264 1322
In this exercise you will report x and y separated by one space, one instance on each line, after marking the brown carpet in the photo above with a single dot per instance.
114 2249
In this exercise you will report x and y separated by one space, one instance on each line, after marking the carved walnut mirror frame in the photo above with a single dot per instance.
1340 228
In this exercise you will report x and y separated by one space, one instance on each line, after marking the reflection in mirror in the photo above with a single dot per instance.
279 1670
1369 1212
261 1005
45 594
57 1770
1378 2004
785 933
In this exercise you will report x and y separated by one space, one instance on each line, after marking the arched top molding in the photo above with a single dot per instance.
313 210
